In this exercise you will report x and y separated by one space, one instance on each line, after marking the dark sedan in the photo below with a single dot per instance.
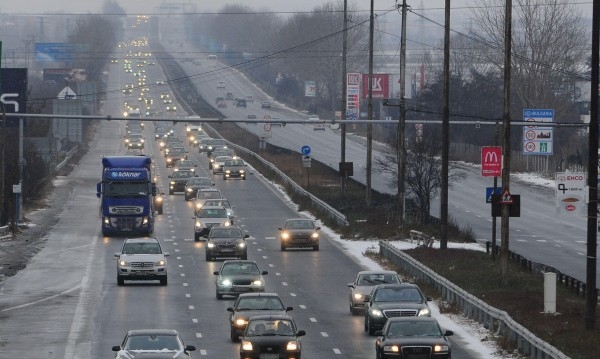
179 179
364 282
393 300
193 185
413 337
299 232
226 242
250 304
239 276
271 336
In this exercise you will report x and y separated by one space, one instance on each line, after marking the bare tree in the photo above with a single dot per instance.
423 170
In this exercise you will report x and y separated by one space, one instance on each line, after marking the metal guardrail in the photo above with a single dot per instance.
5 233
495 320
332 212
68 156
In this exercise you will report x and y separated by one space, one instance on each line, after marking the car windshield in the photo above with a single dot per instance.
141 248
182 174
239 268
260 303
398 295
153 342
217 203
184 164
413 328
300 224
222 158
374 279
200 182
234 163
270 327
212 213
177 150
125 189
217 142
208 194
226 233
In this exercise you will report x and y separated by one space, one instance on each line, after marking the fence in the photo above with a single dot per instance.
5 233
497 321
68 156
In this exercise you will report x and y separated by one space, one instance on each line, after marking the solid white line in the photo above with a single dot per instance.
302 306
79 315
324 334
337 351
314 320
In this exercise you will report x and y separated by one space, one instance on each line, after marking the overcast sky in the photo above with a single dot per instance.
148 6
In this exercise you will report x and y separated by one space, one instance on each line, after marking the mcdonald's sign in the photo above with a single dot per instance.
491 161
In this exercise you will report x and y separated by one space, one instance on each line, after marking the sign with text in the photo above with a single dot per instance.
310 89
14 93
570 192
537 140
491 161
380 84
352 96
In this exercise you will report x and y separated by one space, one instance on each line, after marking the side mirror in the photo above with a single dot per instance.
246 236
230 309
448 333
351 285
116 348
216 272
190 348
300 333
117 255
264 272
166 254
289 308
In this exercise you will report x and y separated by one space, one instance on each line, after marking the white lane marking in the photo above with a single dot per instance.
337 351
188 295
293 294
314 320
271 265
198 335
581 254
180 266
269 237
190 307
324 334
541 240
183 274
84 296
174 243
202 351
185 284
258 249
284 284
177 250
265 257
302 306
194 320
178 257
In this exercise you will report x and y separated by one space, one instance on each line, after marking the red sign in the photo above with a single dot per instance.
491 161
380 85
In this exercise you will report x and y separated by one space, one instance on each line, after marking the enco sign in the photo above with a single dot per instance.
5 99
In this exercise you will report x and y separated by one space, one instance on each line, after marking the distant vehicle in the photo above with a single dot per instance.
193 185
299 232
413 336
219 99
249 304
221 84
208 217
141 259
235 167
205 194
144 343
212 60
178 180
229 96
265 104
175 154
217 166
239 276
251 116
249 98
364 283
240 103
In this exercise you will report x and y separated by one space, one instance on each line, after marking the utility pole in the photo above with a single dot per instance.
592 235
370 108
445 133
504 223
401 141
344 103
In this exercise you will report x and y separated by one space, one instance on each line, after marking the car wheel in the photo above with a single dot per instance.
244 178
316 248
244 257
163 281
371 329
160 210
366 325
219 295
224 177
120 281
234 337
208 259
352 310
170 192
196 237
283 248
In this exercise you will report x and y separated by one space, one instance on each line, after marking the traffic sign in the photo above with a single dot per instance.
537 138
267 126
305 150
506 197
570 192
306 161
489 191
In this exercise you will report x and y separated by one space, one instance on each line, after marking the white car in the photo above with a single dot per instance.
141 259
221 85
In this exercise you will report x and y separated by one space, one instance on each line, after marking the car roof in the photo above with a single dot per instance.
210 189
152 332
239 261
413 319
259 294
396 285
377 272
271 316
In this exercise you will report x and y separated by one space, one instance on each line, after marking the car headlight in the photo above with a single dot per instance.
172 182
225 282
189 189
227 223
228 171
358 296
425 312
123 263
240 322
161 262
159 199
375 312
285 235
315 235
126 140
210 245
199 224
242 171
293 345
241 244
258 283
198 205
391 348
169 160
247 346
145 220
440 348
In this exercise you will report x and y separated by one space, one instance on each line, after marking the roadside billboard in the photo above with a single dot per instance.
380 85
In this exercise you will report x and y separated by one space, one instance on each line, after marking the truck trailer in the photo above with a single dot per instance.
127 195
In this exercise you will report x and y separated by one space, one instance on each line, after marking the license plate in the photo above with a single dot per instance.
240 289
227 250
269 356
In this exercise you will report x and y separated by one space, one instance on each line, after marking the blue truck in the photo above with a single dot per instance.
127 195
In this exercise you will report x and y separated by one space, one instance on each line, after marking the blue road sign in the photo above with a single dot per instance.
489 191
305 150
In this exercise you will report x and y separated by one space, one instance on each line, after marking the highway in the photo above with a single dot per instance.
67 304
540 234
